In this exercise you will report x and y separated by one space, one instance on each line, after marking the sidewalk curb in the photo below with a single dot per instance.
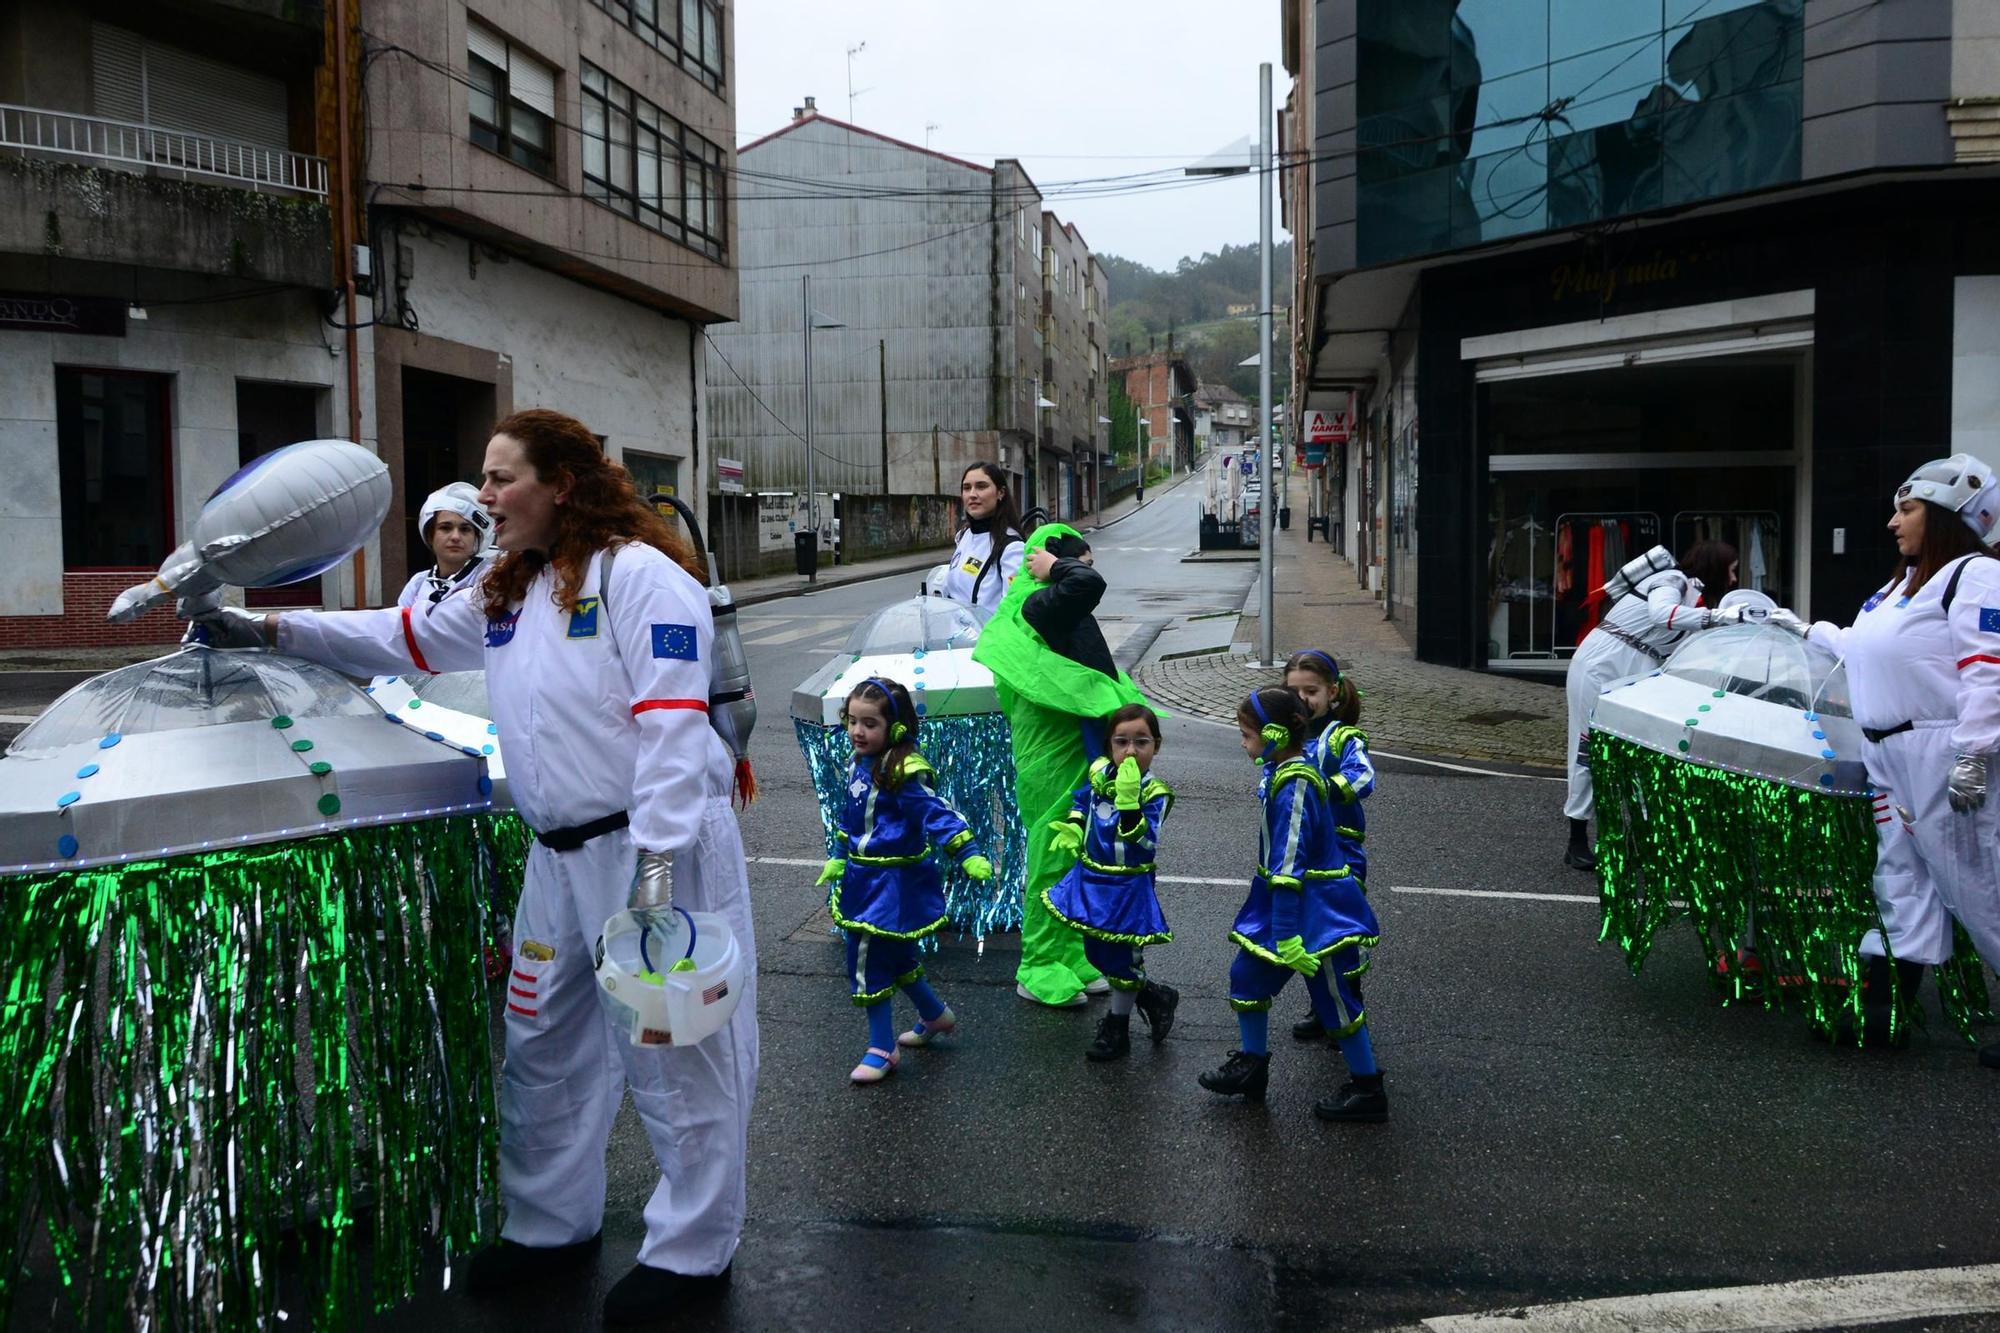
914 565
1180 481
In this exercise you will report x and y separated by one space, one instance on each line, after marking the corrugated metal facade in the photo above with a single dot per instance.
919 257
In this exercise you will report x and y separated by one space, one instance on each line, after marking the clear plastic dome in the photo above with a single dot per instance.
1766 663
931 623
461 691
198 686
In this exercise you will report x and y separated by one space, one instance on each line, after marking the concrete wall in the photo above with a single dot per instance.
205 349
418 133
1975 368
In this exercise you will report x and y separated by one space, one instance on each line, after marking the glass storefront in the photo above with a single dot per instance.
1588 470
1481 119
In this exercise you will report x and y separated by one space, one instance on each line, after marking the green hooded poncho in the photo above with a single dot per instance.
1047 698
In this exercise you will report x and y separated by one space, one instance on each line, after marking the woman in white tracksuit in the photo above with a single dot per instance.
1658 604
601 698
455 527
976 575
1923 672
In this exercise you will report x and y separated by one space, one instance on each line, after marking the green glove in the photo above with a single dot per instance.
1292 953
1065 835
1125 785
977 868
832 871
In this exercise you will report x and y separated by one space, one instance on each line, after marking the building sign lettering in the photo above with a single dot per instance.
32 313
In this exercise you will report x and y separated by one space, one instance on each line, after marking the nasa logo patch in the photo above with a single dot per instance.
500 630
675 641
1989 619
583 620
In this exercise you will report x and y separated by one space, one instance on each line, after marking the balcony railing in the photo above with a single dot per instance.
141 147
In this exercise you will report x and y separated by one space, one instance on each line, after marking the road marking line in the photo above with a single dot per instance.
1837 1302
23 718
1404 758
1497 893
761 638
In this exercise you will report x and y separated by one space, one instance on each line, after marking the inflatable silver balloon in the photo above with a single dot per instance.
293 513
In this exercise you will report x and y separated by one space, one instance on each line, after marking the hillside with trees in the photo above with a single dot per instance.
1193 303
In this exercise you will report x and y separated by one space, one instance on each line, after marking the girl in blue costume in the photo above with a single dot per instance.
886 892
1338 748
1305 914
1113 829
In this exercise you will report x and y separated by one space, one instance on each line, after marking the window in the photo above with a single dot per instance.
513 100
688 30
116 468
641 162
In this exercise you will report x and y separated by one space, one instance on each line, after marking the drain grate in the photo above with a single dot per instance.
1499 715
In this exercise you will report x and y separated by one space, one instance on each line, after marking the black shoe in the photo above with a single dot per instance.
1156 1005
1360 1101
650 1295
1989 1056
1114 1038
506 1264
1879 983
1579 856
1308 1028
1242 1074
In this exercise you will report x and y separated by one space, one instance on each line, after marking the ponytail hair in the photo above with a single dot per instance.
1344 704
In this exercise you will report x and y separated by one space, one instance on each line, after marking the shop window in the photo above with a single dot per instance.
640 161
653 474
116 464
512 100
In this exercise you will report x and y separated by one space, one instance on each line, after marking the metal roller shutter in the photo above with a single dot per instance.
154 84
532 83
485 43
118 79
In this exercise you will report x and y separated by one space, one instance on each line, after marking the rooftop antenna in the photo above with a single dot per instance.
928 127
852 91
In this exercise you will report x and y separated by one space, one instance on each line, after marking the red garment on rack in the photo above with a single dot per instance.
1593 600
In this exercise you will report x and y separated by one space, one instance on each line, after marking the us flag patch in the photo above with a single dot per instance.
715 992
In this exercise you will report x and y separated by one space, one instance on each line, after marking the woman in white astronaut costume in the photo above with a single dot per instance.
991 517
603 706
1656 604
465 532
1923 673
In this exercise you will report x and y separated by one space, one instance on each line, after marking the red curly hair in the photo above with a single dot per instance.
601 508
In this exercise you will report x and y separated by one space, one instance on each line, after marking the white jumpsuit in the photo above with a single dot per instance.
429 586
969 557
600 713
1636 634
1909 660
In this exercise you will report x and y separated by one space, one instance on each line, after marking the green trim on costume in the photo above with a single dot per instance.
1366 963
1296 770
1251 946
845 923
1089 864
914 765
862 999
1352 1028
1343 789
1337 738
1125 983
1153 791
1136 829
1249 1006
957 841
855 858
911 977
1108 936
1342 873
1353 833
1285 882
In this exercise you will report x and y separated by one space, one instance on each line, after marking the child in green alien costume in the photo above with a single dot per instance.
1055 705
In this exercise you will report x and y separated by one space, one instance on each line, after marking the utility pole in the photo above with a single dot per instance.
812 491
1267 514
882 356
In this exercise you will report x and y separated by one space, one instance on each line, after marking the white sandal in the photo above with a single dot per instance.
867 1073
928 1030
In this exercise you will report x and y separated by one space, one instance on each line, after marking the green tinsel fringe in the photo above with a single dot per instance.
212 1060
1740 851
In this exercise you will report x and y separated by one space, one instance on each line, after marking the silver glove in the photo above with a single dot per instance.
1788 622
219 626
1967 788
653 884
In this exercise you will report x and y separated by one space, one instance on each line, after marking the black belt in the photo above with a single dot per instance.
1633 641
573 837
1879 736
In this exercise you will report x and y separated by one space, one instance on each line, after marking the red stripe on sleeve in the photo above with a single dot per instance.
410 641
1670 617
1965 662
648 705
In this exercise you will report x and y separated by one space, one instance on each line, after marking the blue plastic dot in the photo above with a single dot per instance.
1826 779
1812 717
492 728
109 741
1819 735
486 749
917 671
87 771
68 798
432 736
66 845
467 749
485 785
368 689
920 710
919 654
391 717
1826 754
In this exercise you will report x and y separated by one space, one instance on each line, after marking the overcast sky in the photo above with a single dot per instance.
1076 89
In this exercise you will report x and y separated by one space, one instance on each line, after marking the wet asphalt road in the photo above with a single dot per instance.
1559 1128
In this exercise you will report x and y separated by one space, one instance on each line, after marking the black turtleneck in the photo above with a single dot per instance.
978 524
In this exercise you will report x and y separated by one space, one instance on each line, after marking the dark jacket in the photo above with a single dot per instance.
1060 611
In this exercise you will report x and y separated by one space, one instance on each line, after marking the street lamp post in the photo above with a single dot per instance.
1231 162
808 323
1097 468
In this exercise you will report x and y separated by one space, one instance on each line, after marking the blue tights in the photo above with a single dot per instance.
1254 1027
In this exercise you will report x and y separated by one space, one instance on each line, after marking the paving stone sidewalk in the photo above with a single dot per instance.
1407 706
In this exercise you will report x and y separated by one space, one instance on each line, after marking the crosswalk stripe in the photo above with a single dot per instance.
764 638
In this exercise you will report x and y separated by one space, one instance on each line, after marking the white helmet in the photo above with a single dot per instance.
1757 605
1961 484
458 498
671 982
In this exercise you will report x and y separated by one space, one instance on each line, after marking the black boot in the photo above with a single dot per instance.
654 1295
1360 1101
1308 1028
1989 1056
506 1264
1879 984
1156 1006
1242 1074
1579 856
1114 1038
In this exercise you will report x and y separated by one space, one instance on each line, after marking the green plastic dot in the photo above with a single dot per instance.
416 703
1684 746
1694 722
1704 708
281 722
329 804
302 746
320 768
1718 694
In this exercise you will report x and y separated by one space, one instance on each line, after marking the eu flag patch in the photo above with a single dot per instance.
583 620
675 641
1989 619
